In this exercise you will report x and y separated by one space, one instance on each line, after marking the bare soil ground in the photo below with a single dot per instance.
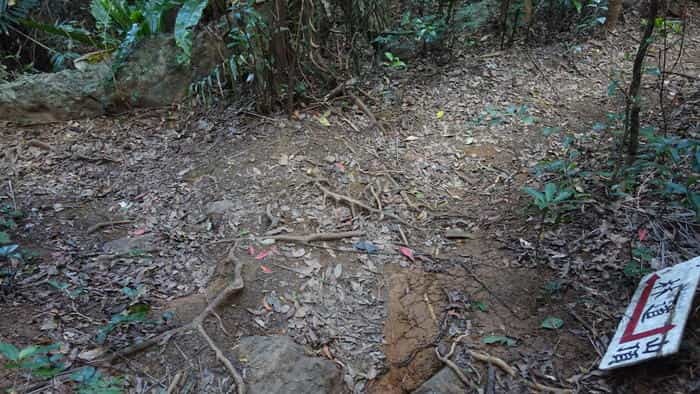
192 186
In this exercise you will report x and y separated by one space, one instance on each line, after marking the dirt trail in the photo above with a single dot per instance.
458 151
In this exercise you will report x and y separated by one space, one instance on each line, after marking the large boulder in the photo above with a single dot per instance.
150 77
278 365
68 94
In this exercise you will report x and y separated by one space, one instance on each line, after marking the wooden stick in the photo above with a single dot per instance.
39 144
379 202
315 237
176 381
106 224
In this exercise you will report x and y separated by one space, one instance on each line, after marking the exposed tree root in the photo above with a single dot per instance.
366 110
491 360
315 237
197 324
446 360
354 202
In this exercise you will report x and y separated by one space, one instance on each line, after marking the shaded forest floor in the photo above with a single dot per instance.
192 186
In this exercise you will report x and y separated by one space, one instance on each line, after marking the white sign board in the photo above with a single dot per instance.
653 322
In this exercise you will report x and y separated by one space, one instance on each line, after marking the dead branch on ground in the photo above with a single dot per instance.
315 237
235 286
100 225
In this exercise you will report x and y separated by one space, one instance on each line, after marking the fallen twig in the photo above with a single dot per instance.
39 144
107 224
379 202
175 383
315 237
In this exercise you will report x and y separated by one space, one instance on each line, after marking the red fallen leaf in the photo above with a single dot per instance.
266 305
265 269
407 252
642 234
139 231
251 250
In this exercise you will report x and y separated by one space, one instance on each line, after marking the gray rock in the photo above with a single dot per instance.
219 207
128 244
69 94
277 365
151 76
443 382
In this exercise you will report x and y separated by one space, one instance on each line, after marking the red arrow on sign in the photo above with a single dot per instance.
629 334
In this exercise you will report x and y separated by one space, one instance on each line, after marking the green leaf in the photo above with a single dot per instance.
8 224
499 340
552 323
48 372
10 251
83 375
675 188
539 197
9 351
563 195
553 287
694 199
578 5
4 238
480 305
58 285
153 12
653 71
550 190
74 34
98 11
547 131
118 13
28 351
528 120
187 18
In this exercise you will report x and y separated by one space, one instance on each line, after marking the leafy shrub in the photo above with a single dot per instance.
37 360
122 23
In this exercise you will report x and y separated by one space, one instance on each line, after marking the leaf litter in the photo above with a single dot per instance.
372 304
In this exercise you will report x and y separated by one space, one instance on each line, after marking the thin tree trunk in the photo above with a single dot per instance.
527 12
633 99
614 11
505 6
